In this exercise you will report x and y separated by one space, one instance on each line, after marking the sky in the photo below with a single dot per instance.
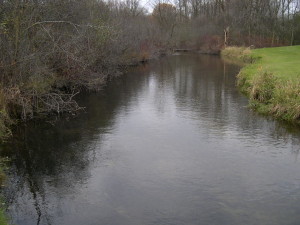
147 4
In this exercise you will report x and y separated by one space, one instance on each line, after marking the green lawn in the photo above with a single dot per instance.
282 62
271 79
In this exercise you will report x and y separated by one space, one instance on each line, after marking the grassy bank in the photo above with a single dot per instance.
271 79
3 217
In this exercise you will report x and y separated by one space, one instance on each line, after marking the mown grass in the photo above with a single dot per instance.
271 79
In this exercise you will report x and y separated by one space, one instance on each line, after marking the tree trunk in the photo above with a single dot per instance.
292 37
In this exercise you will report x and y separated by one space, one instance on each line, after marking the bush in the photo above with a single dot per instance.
239 54
263 87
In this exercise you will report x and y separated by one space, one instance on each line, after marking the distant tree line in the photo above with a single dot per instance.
50 49
236 22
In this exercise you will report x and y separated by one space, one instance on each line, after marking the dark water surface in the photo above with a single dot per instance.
171 143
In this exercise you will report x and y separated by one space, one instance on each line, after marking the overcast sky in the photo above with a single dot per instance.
147 4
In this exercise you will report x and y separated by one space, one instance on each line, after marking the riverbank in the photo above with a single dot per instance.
3 216
270 78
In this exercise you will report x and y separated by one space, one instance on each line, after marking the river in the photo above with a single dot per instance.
169 143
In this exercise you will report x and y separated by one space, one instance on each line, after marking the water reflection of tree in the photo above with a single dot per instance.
204 89
59 157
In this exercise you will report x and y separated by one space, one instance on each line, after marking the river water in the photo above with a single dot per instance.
170 143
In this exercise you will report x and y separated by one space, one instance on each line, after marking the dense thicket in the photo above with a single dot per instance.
52 48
